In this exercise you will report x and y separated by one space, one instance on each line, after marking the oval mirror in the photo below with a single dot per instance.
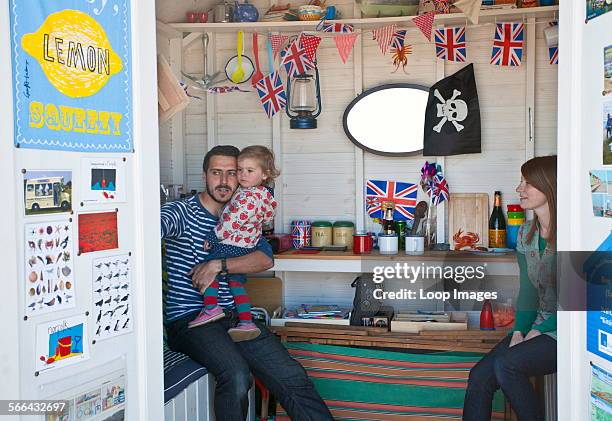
388 120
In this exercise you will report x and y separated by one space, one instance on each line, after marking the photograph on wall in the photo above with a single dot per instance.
596 8
47 191
100 400
49 276
72 81
607 131
60 343
112 296
608 70
601 394
98 231
103 180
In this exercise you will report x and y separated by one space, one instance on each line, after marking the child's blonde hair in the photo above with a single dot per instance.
266 159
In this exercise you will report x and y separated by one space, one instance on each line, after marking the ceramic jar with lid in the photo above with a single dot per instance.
321 233
343 233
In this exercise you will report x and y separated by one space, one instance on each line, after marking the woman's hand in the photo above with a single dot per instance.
532 334
203 274
517 338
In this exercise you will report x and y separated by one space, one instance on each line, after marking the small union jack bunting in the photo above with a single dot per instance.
398 39
295 59
337 27
553 52
508 44
450 44
272 93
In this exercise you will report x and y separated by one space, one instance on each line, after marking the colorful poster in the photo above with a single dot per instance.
112 296
49 275
60 343
596 8
607 131
103 399
601 394
103 180
607 70
72 75
47 191
98 231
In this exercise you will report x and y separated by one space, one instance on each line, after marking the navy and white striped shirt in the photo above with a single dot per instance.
185 225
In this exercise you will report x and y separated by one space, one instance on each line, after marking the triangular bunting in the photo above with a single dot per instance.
310 43
277 42
425 23
295 59
553 55
271 93
344 44
384 36
471 9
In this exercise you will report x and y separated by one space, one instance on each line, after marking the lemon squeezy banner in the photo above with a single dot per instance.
72 75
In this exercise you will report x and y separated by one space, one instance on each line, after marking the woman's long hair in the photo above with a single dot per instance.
541 173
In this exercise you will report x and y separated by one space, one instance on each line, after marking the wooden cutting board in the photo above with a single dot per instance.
469 212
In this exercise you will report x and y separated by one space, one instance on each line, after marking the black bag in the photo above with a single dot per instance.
364 303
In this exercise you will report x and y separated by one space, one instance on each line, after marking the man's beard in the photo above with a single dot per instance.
212 196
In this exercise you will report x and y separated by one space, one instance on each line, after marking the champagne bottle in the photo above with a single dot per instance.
388 224
497 224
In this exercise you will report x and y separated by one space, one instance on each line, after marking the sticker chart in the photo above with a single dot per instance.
112 296
49 278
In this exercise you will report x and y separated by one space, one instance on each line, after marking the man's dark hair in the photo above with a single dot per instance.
220 150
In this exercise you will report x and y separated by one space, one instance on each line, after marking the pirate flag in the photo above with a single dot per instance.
452 117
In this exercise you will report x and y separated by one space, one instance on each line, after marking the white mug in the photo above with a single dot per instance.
415 245
387 244
551 35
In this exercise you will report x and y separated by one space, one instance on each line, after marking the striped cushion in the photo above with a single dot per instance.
368 384
179 372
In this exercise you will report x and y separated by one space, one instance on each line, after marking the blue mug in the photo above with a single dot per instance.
330 12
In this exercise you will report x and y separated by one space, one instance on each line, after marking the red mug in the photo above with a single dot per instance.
362 244
203 16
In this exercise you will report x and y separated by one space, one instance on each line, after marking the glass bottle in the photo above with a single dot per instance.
388 225
497 224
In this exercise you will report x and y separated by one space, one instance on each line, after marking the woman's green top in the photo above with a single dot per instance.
536 307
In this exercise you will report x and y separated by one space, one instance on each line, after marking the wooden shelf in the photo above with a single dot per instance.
330 261
486 16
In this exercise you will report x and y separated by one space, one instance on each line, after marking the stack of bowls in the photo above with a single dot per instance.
516 218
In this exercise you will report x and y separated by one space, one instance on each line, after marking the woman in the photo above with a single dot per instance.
531 348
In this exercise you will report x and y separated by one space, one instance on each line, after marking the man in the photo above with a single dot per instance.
185 226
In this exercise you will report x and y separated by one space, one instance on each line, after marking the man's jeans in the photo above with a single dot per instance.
231 364
510 369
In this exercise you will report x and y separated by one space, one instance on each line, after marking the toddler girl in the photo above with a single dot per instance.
237 233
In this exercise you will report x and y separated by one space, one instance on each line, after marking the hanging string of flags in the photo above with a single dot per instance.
299 55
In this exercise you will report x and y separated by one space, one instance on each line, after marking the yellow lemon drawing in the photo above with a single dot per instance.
74 52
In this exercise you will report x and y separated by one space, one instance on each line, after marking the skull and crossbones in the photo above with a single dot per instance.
453 110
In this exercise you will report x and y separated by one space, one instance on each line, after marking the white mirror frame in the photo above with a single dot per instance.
414 109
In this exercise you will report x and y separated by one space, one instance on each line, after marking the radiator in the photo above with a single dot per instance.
195 403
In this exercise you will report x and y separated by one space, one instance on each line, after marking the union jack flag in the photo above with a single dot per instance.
553 54
398 39
295 59
271 93
337 27
508 44
450 44
404 196
438 189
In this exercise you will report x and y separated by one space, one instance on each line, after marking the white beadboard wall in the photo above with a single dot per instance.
318 166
